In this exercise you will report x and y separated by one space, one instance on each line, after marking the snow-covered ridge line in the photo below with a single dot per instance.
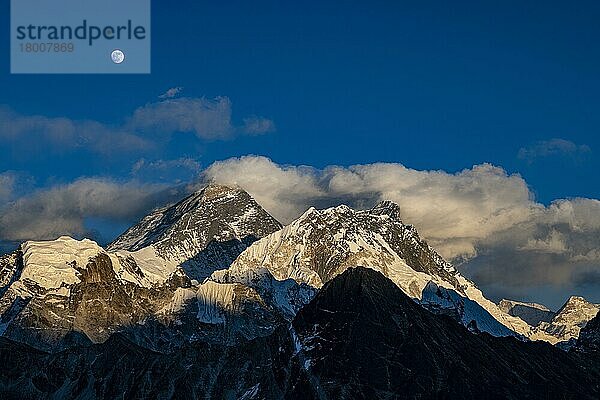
507 304
217 252
321 244
56 263
150 273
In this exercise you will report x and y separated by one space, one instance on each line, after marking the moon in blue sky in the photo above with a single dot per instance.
117 56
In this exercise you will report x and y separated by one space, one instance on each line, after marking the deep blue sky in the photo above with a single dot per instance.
433 85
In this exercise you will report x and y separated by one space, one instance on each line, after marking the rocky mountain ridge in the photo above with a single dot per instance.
216 267
360 337
53 288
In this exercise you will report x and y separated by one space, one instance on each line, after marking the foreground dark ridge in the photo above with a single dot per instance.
361 337
366 339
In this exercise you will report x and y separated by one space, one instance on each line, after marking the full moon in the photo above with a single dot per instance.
117 56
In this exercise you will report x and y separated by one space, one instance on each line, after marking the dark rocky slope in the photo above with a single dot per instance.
589 339
361 337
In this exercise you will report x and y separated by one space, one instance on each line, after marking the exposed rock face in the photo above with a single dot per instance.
589 338
361 337
203 232
11 266
469 313
145 285
569 320
532 313
323 243
96 304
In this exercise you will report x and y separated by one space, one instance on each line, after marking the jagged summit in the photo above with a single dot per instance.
215 190
574 300
571 317
204 231
322 244
575 306
212 205
362 338
387 207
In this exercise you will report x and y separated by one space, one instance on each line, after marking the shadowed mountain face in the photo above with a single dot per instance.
532 313
571 317
203 232
361 337
589 338
149 284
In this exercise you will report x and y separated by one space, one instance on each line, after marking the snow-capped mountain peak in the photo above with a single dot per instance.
203 232
571 317
217 258
322 244
57 286
387 207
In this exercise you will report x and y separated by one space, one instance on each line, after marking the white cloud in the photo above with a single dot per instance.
63 134
286 192
62 209
144 131
451 210
481 217
207 119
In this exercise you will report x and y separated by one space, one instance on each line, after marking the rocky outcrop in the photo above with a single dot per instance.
361 337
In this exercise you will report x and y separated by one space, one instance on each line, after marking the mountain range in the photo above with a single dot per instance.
212 297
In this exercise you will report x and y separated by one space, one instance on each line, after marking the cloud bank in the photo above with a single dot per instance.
483 219
63 209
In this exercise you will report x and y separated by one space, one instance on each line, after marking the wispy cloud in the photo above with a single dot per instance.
552 147
62 209
145 130
172 92
64 134
258 125
7 182
177 170
206 118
